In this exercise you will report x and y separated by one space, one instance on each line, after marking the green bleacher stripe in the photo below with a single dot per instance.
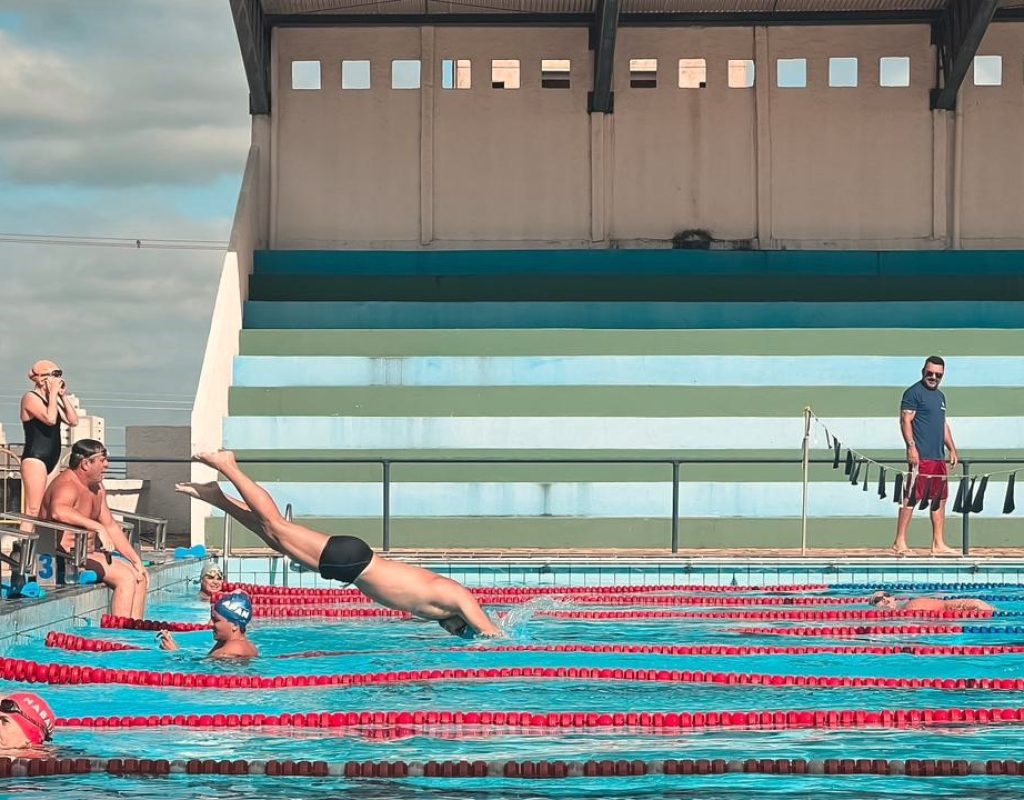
552 533
599 401
548 473
490 342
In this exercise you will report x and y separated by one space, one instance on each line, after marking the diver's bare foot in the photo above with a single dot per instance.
944 551
217 458
207 492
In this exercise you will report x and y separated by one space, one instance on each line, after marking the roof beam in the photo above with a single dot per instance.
957 35
253 32
602 42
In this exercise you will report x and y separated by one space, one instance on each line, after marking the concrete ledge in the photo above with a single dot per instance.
74 607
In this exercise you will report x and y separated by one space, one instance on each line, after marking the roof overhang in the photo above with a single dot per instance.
957 25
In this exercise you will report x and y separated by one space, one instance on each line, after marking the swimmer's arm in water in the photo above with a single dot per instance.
469 609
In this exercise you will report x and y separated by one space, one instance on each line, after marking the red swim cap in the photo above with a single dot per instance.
32 714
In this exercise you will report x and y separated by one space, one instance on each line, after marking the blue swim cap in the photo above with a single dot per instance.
236 608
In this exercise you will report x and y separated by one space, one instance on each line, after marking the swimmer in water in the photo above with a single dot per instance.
211 582
26 721
886 602
230 615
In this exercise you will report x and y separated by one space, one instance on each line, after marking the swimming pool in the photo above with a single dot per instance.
684 705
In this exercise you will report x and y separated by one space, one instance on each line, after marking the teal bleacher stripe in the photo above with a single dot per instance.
725 370
486 262
764 500
587 433
652 315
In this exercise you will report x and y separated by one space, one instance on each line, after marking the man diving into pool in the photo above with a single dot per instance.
348 559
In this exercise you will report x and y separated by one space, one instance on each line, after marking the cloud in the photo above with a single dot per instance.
114 93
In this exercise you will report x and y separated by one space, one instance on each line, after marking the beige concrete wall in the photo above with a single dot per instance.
160 499
683 158
512 164
992 191
864 167
851 164
347 163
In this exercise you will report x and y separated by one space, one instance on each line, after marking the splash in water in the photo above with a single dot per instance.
516 622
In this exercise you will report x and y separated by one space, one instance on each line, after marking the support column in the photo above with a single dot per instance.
942 168
763 137
600 169
429 69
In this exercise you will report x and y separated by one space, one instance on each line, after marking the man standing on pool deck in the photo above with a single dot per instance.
928 437
348 559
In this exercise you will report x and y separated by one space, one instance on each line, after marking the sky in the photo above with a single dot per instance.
118 118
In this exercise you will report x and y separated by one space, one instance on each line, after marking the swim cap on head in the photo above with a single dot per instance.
212 569
236 608
31 713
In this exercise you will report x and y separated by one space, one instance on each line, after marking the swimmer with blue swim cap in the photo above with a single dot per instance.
229 617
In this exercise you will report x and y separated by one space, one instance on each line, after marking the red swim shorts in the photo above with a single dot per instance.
931 481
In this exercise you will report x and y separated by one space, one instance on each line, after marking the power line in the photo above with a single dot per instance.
124 243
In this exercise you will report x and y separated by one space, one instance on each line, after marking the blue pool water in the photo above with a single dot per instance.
360 646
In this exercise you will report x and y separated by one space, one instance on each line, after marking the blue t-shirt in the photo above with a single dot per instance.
929 423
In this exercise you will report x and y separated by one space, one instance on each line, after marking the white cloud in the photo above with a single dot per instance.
144 92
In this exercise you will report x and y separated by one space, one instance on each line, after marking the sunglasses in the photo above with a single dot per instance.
937 375
8 706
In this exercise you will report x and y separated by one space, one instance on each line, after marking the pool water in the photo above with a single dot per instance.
382 645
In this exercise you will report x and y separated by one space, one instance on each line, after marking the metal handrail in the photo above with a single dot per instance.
79 549
159 526
674 462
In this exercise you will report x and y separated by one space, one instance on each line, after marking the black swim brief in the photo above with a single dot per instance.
344 558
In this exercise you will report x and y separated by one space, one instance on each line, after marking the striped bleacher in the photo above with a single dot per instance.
613 354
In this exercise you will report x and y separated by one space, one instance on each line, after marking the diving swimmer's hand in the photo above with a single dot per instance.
166 641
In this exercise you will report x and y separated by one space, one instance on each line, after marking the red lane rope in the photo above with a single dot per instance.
255 589
67 641
765 615
855 630
499 598
574 720
41 767
375 612
128 623
34 672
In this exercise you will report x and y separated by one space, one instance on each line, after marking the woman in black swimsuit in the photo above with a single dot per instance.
42 411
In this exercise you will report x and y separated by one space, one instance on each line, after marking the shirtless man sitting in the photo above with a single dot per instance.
77 497
230 615
887 602
348 559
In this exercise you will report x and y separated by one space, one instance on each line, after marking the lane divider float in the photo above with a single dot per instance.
417 720
525 769
63 674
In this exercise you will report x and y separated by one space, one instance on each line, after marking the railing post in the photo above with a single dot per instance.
386 479
806 458
227 545
285 562
675 506
966 512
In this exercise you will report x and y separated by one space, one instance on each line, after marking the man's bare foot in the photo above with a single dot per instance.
217 459
944 551
207 492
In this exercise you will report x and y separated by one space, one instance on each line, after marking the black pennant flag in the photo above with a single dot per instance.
979 499
867 470
961 493
969 496
835 461
1008 505
849 462
856 472
881 483
897 487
